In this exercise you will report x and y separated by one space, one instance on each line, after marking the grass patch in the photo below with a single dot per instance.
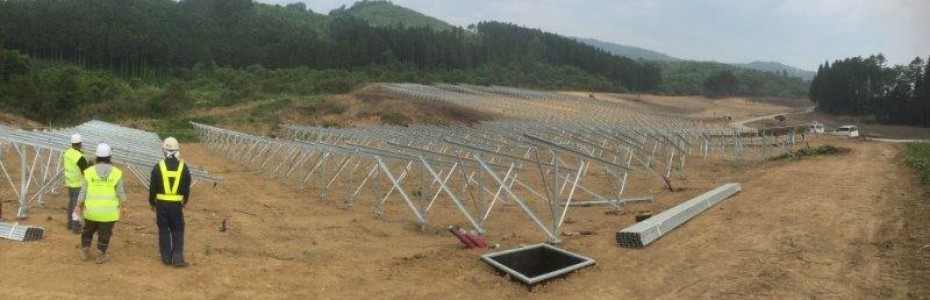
267 113
180 129
320 106
918 157
797 154
395 118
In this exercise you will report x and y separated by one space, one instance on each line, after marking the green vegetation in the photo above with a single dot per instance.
65 94
180 128
721 84
691 78
623 50
72 60
386 14
159 38
780 68
866 86
918 157
797 154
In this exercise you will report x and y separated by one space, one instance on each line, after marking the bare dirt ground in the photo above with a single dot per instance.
18 121
371 106
697 107
851 226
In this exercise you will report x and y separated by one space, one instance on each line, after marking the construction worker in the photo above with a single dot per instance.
102 200
74 165
169 192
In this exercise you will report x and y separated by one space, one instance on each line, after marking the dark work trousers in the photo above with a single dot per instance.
73 225
169 216
103 229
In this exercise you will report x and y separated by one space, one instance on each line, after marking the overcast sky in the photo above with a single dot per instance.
802 33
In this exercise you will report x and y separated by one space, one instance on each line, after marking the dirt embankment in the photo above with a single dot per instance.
19 122
699 108
371 106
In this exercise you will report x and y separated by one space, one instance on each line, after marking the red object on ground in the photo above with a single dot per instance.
477 240
462 238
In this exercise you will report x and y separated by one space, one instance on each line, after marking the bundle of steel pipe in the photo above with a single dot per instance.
20 233
643 233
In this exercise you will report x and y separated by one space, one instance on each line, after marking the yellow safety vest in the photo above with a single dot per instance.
170 191
73 176
101 203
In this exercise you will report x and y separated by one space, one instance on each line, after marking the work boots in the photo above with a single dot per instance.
178 261
85 253
102 258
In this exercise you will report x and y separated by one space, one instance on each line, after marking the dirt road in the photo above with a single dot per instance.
741 124
851 226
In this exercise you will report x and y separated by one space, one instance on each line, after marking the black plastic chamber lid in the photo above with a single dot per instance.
536 263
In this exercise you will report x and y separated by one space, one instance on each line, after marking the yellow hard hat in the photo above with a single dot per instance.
170 144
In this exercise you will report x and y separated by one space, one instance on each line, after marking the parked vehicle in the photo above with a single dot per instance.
847 130
815 127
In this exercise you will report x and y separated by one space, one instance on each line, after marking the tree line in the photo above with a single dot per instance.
158 37
714 79
860 86
114 58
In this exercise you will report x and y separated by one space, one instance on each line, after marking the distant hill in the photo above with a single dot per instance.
640 53
777 67
624 50
386 14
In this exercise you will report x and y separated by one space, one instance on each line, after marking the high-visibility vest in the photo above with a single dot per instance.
170 191
101 203
73 176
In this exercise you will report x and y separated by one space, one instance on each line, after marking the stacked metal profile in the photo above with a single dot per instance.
20 233
644 233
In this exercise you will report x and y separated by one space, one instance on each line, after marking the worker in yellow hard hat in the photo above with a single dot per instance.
169 192
101 200
73 165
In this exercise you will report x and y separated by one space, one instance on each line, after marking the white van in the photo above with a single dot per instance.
815 127
847 130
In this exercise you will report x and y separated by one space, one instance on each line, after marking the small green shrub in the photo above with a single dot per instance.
180 128
918 157
822 150
395 118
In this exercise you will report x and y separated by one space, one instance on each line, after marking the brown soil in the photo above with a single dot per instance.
19 122
370 106
699 108
850 226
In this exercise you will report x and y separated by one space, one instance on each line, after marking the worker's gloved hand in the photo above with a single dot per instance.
123 211
153 208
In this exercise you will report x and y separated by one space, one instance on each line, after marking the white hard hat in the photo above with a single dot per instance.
170 144
103 150
75 138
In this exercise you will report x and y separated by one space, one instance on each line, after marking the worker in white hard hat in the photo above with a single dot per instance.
74 164
169 192
102 201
